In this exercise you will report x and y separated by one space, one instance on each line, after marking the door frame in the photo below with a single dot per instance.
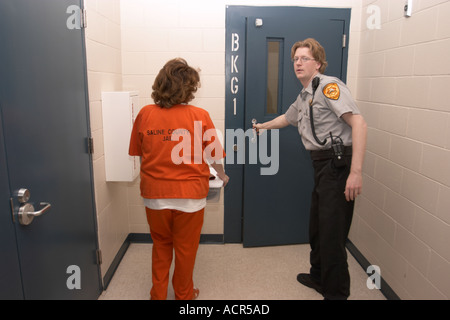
235 66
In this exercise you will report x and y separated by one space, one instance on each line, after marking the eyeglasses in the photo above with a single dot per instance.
303 59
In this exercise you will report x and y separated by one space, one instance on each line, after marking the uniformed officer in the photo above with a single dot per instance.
333 130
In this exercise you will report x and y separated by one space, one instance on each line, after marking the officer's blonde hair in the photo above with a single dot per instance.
317 51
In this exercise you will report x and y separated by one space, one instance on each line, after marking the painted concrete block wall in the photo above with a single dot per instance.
402 221
104 63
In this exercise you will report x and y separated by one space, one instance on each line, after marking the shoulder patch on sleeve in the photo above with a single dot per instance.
332 91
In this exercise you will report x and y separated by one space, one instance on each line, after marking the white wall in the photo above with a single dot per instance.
104 63
402 221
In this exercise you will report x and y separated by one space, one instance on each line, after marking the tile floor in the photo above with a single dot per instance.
231 272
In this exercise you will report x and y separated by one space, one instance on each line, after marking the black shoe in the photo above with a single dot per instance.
306 280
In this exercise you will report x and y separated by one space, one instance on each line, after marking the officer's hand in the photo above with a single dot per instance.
353 186
258 128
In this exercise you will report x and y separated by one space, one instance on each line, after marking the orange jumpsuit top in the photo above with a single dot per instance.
172 143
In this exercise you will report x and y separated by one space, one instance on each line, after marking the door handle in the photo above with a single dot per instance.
46 207
26 211
254 121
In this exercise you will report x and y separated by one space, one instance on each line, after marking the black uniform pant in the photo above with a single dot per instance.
330 219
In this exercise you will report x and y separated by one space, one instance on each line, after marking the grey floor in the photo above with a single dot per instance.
231 272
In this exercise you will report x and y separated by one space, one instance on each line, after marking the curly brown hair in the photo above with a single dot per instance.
176 83
317 51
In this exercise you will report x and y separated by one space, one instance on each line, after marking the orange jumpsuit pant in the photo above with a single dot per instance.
178 231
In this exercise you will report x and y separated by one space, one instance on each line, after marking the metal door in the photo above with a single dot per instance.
45 126
10 280
276 206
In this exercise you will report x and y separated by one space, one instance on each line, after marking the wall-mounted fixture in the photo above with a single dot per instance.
408 8
119 110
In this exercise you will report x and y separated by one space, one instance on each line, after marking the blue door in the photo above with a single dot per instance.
43 149
276 205
10 280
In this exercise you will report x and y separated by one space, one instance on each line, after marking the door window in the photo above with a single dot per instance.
274 75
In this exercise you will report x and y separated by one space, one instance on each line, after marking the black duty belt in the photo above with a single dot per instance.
329 153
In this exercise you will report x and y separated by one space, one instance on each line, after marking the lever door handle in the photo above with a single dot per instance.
254 121
27 213
46 207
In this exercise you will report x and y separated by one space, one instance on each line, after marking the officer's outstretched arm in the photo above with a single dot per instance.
277 123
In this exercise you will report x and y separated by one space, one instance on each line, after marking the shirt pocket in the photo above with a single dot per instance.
322 114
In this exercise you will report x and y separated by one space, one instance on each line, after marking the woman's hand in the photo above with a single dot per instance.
222 176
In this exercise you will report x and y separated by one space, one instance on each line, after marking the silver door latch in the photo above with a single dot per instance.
254 121
26 210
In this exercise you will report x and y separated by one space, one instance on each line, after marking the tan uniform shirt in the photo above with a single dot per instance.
332 99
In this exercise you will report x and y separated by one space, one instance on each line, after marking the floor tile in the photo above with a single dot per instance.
231 272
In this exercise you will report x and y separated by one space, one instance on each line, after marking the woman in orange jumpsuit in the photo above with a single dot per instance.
173 139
